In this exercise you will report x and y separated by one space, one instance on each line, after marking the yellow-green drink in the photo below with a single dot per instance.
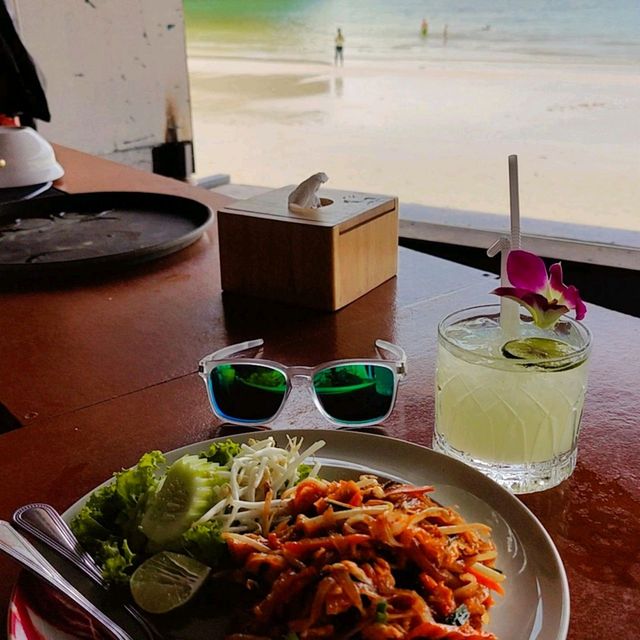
511 405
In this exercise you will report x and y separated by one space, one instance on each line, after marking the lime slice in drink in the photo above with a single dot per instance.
166 581
537 349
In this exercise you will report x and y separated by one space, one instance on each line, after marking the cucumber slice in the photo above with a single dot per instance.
186 492
166 581
536 349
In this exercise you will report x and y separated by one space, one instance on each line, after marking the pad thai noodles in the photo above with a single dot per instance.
310 558
364 560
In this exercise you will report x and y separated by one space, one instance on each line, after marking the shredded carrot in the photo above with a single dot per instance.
486 581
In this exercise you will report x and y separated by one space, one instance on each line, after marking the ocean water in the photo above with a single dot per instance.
557 31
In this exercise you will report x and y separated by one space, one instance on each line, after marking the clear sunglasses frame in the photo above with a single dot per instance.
397 364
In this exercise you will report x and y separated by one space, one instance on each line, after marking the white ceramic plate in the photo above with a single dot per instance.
536 602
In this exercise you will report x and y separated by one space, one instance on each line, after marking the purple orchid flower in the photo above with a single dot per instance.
545 296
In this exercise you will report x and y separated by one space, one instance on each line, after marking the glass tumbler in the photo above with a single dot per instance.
511 406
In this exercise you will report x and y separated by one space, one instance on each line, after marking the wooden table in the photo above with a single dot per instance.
98 373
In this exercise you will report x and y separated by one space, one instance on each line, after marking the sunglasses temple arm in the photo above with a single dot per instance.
233 349
398 352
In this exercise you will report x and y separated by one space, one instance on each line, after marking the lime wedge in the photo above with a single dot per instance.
166 581
536 349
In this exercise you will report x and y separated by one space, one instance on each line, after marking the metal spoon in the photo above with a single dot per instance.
15 545
44 523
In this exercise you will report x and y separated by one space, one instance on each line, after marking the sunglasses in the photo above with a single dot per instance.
253 391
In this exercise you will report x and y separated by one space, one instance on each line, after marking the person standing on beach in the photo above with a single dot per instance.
339 47
424 28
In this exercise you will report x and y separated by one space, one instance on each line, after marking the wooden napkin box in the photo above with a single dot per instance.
323 258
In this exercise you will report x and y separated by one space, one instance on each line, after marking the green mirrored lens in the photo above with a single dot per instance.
354 393
247 392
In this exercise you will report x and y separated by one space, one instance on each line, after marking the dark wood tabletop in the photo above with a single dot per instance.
95 372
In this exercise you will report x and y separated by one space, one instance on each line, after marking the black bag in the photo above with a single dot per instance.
21 93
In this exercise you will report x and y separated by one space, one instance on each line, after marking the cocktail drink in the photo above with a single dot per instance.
511 405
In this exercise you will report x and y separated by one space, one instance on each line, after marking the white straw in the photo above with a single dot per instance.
509 309
514 199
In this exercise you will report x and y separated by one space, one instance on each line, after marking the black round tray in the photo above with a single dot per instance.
74 232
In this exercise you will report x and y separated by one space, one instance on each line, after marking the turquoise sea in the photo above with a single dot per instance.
564 31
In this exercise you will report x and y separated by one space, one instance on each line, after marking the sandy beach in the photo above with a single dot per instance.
436 133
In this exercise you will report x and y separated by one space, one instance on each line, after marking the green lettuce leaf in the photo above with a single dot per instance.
222 452
304 470
107 526
134 487
117 561
205 543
